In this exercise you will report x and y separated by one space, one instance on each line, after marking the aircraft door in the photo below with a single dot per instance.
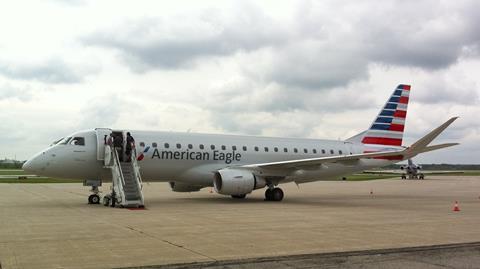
102 135
349 150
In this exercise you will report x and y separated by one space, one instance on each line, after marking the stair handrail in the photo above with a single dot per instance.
117 169
136 172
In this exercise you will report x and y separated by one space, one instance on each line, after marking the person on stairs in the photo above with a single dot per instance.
130 146
118 144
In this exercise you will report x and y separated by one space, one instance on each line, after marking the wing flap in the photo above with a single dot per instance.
440 146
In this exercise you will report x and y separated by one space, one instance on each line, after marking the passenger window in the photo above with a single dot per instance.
179 146
201 146
142 144
340 152
212 147
78 141
285 150
275 149
305 150
256 148
266 149
244 148
223 147
295 150
190 146
331 151
314 151
166 145
234 147
323 151
154 144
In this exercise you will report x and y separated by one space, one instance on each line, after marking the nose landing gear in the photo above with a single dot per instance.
94 183
94 199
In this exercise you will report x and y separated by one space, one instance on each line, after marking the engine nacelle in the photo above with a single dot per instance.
183 187
236 182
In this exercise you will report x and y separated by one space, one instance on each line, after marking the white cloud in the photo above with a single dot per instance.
290 68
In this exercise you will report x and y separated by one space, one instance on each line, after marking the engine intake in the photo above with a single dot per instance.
236 182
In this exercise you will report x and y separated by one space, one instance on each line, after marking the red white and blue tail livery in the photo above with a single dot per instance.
387 128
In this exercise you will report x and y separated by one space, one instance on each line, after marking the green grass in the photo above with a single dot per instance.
39 180
471 173
11 172
14 173
362 177
354 177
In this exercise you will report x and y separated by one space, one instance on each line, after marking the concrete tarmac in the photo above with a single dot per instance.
433 257
52 226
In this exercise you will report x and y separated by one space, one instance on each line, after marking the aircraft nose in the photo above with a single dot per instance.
32 165
27 166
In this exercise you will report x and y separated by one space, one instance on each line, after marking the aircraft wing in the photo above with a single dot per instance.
416 148
347 159
382 172
399 172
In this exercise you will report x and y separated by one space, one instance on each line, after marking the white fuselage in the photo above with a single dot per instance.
193 158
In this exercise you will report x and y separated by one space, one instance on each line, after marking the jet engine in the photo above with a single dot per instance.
183 187
236 182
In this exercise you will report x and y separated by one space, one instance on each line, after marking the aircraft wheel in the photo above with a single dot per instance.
422 176
94 199
240 196
277 194
268 194
106 201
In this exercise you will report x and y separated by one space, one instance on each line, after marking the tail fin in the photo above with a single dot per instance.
387 129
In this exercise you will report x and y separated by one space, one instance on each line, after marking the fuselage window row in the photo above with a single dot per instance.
244 148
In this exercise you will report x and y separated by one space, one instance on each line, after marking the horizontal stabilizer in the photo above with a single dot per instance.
441 146
422 143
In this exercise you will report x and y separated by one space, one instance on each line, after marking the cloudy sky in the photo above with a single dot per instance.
313 69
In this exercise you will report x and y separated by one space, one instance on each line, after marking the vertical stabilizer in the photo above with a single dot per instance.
387 128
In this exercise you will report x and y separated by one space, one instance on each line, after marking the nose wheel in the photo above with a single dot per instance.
94 199
275 194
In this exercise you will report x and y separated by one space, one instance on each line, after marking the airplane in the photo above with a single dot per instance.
412 171
234 165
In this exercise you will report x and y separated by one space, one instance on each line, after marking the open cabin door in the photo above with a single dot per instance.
102 134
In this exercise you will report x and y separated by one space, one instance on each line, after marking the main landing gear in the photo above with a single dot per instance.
273 194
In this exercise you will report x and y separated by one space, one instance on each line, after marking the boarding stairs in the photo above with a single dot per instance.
126 179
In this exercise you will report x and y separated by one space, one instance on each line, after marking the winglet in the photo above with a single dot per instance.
422 143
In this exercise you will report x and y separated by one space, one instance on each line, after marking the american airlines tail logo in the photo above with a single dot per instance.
142 154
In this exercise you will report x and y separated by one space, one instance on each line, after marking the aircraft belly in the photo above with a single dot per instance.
171 170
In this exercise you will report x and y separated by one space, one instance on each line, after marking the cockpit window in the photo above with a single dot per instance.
78 141
65 141
56 142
